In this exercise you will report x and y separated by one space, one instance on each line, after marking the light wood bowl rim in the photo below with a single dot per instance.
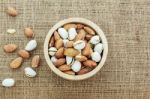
88 23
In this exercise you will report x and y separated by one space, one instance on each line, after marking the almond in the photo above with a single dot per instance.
56 36
35 61
10 48
59 43
88 37
16 62
60 53
64 67
28 32
89 30
84 71
80 35
89 63
70 25
69 44
69 72
71 52
23 54
52 42
80 26
59 62
80 58
12 11
87 51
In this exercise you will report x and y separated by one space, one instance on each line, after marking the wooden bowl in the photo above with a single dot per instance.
97 30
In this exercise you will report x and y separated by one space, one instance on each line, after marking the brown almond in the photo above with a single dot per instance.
69 72
69 44
59 62
80 35
35 61
88 37
28 32
89 30
64 67
56 36
12 11
71 52
80 26
51 42
16 62
90 63
24 54
70 25
60 53
10 48
59 43
80 58
87 51
84 71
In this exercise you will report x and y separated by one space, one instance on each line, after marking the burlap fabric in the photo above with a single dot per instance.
126 73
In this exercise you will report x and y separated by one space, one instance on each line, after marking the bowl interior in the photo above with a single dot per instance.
85 22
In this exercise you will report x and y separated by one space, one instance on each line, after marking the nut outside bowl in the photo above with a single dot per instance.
97 30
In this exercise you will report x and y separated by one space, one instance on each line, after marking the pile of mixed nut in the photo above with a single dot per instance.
23 54
75 49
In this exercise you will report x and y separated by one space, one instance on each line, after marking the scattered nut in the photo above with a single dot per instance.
9 48
8 82
29 72
11 31
24 54
35 61
28 32
16 63
31 45
12 11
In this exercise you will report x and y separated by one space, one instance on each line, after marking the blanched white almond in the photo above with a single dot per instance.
53 59
76 66
80 44
96 56
52 51
11 31
63 33
69 60
65 42
72 33
8 82
95 39
31 45
29 72
98 48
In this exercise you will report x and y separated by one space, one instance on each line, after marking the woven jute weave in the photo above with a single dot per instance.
126 73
